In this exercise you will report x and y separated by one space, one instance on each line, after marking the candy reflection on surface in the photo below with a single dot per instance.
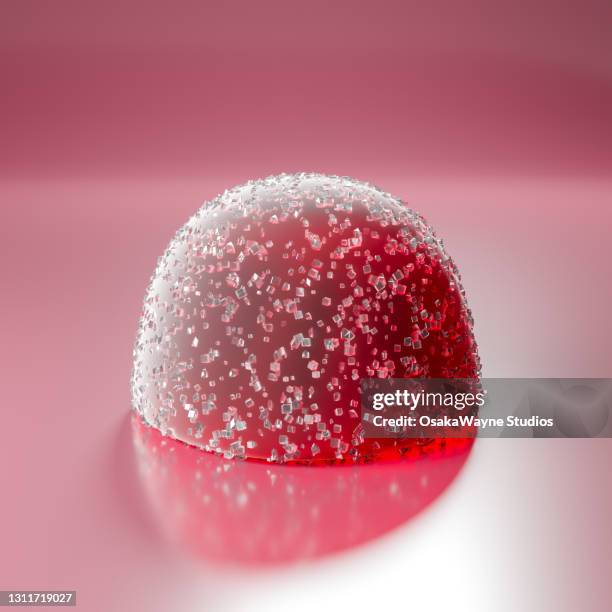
251 513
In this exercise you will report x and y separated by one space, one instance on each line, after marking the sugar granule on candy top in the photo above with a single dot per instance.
275 300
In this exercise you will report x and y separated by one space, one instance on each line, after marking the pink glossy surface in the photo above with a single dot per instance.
75 514
492 120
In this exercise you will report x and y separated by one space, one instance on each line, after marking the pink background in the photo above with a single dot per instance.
494 120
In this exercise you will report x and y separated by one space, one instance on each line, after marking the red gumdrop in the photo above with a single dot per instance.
275 300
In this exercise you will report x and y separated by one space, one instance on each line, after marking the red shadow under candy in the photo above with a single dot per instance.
251 512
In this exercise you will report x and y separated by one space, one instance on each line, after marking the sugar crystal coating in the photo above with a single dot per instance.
272 303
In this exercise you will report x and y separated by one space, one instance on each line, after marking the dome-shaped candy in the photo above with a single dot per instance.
275 300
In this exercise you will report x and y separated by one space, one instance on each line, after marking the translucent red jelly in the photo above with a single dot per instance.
275 300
